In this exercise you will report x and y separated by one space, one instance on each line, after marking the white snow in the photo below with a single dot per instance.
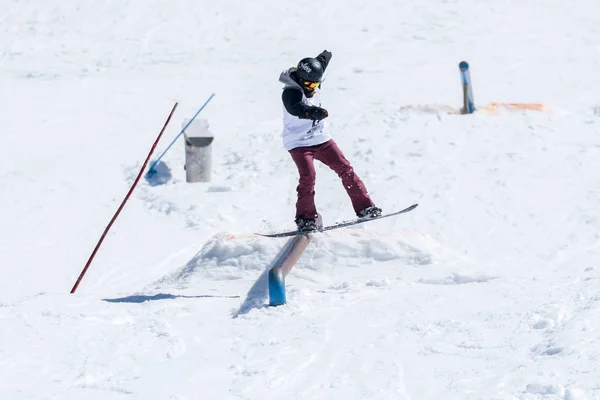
488 290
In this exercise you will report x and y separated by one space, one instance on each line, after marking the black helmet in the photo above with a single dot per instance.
309 69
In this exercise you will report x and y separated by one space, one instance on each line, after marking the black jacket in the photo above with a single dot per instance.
292 97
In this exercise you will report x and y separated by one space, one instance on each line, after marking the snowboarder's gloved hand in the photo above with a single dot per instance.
326 54
316 113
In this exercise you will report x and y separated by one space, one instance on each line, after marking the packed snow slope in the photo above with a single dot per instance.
488 290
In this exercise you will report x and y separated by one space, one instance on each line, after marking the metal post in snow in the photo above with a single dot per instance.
137 179
151 170
468 101
284 263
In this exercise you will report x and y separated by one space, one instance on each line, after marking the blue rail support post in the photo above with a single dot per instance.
285 261
151 170
468 101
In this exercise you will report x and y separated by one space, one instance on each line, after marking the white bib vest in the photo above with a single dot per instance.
304 132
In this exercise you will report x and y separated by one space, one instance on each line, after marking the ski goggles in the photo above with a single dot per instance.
310 85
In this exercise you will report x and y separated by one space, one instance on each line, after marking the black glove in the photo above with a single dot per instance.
327 54
316 113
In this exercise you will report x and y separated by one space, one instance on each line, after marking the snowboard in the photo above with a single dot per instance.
338 225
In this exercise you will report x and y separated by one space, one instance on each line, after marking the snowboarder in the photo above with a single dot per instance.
307 139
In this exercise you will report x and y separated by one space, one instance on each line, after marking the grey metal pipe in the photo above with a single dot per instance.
285 261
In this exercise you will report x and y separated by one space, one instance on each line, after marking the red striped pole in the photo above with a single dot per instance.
87 265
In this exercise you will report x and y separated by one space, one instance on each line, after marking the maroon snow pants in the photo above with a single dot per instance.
331 155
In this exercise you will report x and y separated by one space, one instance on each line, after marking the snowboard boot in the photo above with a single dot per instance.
370 212
306 224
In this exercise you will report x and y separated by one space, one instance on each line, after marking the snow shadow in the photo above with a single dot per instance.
159 175
162 296
257 295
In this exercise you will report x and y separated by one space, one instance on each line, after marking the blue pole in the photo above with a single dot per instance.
469 102
151 170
